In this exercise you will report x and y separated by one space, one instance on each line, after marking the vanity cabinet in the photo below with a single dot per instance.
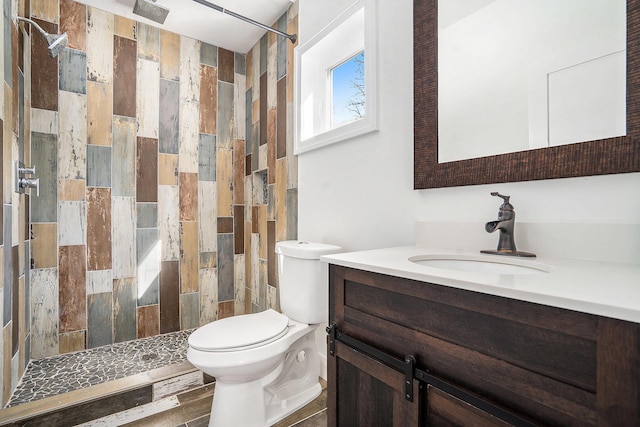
479 359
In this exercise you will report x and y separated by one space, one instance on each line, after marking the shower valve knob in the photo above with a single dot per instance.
31 183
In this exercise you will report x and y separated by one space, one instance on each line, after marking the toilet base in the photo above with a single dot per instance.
265 401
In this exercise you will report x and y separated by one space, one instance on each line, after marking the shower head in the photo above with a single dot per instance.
151 10
56 42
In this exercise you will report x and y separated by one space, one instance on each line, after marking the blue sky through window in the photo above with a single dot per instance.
347 91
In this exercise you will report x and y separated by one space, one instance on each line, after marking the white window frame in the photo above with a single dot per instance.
305 54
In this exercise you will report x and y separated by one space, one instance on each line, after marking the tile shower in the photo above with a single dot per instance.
167 175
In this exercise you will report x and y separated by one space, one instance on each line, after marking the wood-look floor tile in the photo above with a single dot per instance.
184 413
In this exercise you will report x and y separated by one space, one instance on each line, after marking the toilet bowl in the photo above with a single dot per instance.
266 364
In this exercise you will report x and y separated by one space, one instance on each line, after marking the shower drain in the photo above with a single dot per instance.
149 356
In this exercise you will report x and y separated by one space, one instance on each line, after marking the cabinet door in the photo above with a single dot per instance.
363 392
443 409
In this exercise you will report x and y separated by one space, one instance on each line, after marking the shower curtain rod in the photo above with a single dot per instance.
291 37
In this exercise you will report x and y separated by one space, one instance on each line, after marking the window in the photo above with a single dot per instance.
348 91
335 96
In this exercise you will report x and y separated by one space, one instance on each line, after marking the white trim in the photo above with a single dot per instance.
362 126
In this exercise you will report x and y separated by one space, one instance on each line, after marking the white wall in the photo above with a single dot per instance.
359 193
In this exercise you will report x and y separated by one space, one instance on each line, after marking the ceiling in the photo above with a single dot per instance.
197 21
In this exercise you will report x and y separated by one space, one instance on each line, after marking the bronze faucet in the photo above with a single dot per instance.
505 223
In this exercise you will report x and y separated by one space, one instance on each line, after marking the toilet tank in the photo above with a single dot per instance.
304 280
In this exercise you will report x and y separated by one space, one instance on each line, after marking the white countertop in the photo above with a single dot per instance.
602 288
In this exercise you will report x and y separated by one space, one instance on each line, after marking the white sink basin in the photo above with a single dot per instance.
481 264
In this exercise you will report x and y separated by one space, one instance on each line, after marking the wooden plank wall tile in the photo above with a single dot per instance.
239 105
44 88
44 312
147 215
98 228
99 281
148 262
224 179
188 196
282 48
208 54
226 65
72 223
207 216
44 245
99 110
72 288
271 253
169 297
169 221
123 215
72 189
225 309
272 63
45 155
240 288
147 170
124 27
44 9
169 55
98 166
208 99
238 229
124 76
124 309
99 319
208 295
207 157
225 267
238 171
262 112
148 321
73 66
72 341
167 169
189 257
271 146
281 120
72 146
147 89
101 66
123 175
169 116
225 115
148 42
73 22
189 311
189 104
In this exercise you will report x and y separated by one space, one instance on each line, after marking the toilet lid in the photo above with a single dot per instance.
247 330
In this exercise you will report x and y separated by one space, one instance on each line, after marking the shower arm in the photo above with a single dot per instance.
291 37
38 27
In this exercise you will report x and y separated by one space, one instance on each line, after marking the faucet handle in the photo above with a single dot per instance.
506 205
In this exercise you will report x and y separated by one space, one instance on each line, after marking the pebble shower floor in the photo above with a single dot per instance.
73 371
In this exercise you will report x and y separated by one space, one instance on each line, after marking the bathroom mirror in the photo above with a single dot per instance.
618 154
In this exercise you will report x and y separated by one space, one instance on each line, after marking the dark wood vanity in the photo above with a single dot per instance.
479 359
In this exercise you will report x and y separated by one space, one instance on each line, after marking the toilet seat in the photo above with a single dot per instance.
240 332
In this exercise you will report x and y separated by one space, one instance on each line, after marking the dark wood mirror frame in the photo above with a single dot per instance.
600 157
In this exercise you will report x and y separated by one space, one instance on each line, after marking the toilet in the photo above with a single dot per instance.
266 364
